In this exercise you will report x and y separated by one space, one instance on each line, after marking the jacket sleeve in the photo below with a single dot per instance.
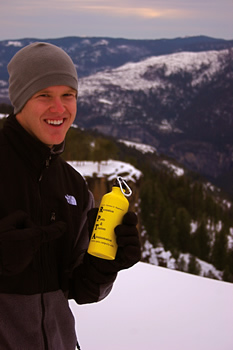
87 284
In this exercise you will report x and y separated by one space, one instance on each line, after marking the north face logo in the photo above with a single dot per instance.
70 199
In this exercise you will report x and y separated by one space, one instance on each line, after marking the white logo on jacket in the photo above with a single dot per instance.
70 199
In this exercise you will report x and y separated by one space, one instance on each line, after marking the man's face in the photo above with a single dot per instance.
49 114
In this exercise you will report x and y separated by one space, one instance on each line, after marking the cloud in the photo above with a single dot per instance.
144 12
146 9
129 8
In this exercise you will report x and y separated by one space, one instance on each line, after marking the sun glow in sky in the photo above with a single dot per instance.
134 19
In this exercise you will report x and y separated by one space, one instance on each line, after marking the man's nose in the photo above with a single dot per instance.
57 105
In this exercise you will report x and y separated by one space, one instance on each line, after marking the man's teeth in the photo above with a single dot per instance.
54 122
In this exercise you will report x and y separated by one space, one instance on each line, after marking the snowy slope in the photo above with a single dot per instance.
154 308
132 76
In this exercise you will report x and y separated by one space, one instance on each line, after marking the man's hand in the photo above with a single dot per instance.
129 247
20 239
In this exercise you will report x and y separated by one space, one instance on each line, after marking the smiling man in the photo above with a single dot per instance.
43 87
46 210
49 114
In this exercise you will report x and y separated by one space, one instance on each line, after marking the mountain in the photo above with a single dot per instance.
179 103
173 94
95 54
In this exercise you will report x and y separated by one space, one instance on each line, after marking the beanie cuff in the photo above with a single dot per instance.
54 79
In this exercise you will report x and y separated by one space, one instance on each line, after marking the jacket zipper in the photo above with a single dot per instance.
42 268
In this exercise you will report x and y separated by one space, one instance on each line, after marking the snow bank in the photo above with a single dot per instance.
154 308
109 168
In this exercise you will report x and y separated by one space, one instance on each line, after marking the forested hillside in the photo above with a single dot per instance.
181 213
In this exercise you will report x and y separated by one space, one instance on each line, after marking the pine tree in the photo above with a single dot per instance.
182 222
152 204
168 230
193 266
219 255
202 240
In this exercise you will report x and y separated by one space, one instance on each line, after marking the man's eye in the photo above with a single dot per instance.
42 96
69 95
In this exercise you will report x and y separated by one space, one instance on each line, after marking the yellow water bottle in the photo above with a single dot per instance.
112 208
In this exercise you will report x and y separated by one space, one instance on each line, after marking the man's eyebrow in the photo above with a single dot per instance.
43 91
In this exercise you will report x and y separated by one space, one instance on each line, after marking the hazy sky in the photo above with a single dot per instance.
134 19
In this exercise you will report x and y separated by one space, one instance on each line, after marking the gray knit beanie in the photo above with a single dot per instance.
36 67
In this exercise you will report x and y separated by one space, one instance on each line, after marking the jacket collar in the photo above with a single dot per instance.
33 152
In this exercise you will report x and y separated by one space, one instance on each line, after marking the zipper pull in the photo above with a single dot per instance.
47 162
53 217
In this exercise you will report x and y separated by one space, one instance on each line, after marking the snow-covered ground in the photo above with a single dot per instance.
109 168
154 308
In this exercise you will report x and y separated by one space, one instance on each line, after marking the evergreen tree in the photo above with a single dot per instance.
193 266
219 255
197 201
182 222
103 149
152 204
201 238
168 230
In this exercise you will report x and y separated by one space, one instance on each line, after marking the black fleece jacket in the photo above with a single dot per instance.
37 181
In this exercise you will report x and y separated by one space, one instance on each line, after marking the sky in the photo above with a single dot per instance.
130 19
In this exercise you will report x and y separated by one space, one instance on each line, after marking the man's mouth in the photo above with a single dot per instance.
54 122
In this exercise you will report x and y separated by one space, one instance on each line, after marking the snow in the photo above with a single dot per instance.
110 168
14 43
194 226
226 203
153 307
159 256
139 146
101 42
102 100
176 170
2 82
230 239
132 76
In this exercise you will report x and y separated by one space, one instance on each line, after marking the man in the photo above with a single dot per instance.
44 209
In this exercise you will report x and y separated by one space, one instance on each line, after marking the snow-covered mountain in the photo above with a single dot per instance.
156 92
181 104
93 54
153 73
